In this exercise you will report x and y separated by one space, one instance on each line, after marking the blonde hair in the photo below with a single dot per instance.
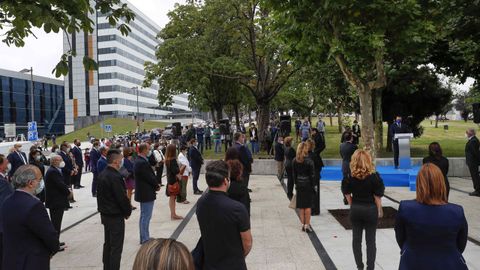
288 141
163 254
302 152
310 144
361 164
431 188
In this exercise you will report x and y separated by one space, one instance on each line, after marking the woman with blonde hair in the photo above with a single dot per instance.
431 233
163 254
361 190
304 178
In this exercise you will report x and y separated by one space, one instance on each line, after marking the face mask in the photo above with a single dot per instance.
40 187
38 158
67 150
121 163
61 165
9 167
149 153
162 147
228 184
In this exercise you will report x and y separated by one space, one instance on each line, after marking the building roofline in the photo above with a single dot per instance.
26 76
143 15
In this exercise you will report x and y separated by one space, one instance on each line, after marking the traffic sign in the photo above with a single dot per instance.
33 136
32 126
10 130
108 128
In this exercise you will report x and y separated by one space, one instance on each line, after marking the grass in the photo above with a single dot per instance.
119 126
452 140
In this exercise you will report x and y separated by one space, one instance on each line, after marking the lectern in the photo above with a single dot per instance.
404 158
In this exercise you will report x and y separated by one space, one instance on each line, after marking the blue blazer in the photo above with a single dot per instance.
94 157
29 239
196 159
77 154
16 161
67 170
431 236
101 164
6 190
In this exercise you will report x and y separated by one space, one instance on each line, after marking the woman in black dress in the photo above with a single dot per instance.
289 157
238 190
435 156
173 170
304 176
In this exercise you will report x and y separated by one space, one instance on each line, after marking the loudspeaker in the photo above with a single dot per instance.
476 112
224 126
285 125
178 128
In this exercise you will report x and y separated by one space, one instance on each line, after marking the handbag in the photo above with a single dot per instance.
293 202
173 189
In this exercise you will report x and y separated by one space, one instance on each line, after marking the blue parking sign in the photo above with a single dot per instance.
32 126
33 136
108 128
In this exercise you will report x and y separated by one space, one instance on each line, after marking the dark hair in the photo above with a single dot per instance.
192 141
315 129
237 136
103 149
236 169
434 150
63 146
232 154
2 158
142 147
183 147
347 136
96 143
216 172
112 155
127 151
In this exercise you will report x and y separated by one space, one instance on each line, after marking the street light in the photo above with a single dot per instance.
138 123
25 70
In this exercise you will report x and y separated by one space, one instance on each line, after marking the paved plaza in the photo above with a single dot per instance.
278 242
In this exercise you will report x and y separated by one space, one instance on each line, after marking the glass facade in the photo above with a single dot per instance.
49 106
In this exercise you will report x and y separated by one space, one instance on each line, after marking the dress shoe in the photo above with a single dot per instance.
475 193
198 192
62 244
94 195
308 228
72 201
76 187
80 186
134 208
60 249
249 190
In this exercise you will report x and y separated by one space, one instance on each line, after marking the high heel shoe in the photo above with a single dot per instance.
308 228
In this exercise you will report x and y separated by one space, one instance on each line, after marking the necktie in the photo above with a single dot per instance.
23 159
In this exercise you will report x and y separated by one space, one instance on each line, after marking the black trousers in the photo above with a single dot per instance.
316 194
56 216
159 171
475 177
395 152
246 179
195 176
94 184
364 217
77 178
208 142
114 228
290 182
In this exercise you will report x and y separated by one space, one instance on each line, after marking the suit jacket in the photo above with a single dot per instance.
94 157
67 170
431 237
279 152
77 154
472 152
146 184
196 159
56 191
29 239
245 158
319 147
397 129
16 161
101 164
6 190
112 197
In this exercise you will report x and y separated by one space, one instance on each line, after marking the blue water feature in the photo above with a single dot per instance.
391 177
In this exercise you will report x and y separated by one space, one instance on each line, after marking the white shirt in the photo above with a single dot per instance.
184 161
158 155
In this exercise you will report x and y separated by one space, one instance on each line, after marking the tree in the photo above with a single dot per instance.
19 17
462 104
358 35
414 94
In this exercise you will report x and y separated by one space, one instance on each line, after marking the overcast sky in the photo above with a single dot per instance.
43 53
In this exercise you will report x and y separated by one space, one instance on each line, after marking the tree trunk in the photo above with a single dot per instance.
378 120
212 113
367 119
237 115
263 117
219 110
436 121
340 118
331 119
389 138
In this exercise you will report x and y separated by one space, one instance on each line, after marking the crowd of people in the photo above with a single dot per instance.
133 166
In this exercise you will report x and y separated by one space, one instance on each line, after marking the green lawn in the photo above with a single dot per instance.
452 140
119 126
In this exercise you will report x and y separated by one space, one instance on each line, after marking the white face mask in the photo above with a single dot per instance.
40 187
61 165
9 167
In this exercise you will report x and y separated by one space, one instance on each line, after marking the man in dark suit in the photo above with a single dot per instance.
68 171
146 187
245 157
17 158
30 239
6 190
196 162
397 128
94 157
319 140
356 132
114 207
57 192
280 158
472 157
347 149
102 161
253 133
77 154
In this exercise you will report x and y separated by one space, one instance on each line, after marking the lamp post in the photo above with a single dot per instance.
138 122
25 70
